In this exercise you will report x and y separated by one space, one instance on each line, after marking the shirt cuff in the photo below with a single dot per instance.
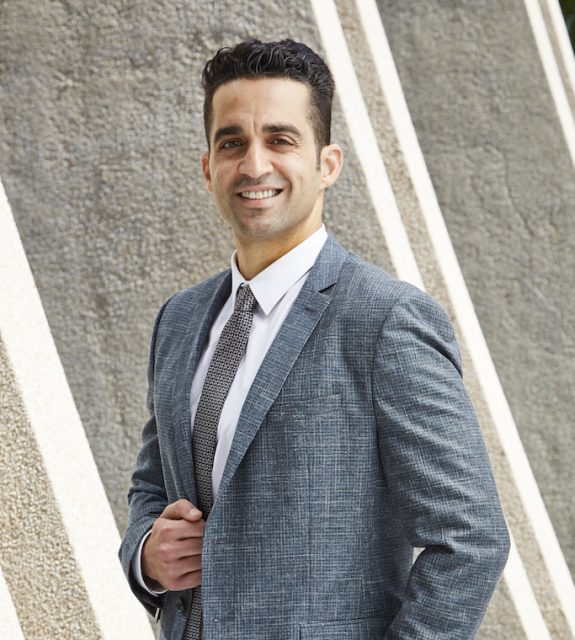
137 568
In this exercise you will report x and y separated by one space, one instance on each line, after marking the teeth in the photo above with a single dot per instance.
259 195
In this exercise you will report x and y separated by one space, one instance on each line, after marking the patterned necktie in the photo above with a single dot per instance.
221 372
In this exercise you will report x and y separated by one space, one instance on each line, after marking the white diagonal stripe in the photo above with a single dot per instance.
364 141
526 604
563 42
553 78
11 629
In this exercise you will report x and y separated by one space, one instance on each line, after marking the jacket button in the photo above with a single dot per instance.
180 605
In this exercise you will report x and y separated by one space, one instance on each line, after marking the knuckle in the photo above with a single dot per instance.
166 550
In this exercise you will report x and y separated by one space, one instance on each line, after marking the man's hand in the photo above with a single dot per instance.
172 554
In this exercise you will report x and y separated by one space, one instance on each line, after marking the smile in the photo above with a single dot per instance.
260 195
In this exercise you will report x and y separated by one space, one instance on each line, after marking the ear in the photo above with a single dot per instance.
205 160
331 162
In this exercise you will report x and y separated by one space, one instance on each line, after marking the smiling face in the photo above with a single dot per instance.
263 167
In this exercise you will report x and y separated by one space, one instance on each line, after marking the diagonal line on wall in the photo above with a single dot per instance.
11 629
549 63
559 34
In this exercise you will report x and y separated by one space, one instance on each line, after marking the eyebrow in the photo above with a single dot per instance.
236 130
222 132
282 127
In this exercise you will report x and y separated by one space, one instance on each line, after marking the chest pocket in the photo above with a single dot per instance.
368 629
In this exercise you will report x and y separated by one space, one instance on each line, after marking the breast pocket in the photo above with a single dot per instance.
367 629
304 408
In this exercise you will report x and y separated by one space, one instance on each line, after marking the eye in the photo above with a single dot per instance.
230 144
281 141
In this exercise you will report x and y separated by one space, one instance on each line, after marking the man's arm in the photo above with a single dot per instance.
147 495
147 501
438 474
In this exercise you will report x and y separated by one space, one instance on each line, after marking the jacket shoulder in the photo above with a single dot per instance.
377 296
375 284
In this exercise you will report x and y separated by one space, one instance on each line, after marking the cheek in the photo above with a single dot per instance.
222 174
216 181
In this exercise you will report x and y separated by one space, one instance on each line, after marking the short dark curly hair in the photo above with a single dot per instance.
284 59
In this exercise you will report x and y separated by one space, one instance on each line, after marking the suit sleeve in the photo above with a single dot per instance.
438 474
147 495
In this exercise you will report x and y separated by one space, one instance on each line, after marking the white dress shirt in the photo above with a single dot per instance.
275 290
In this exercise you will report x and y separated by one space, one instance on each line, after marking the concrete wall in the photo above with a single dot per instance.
100 139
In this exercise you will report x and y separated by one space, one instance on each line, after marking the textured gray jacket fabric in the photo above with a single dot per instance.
356 443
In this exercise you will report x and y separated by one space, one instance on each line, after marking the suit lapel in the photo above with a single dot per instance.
306 312
201 315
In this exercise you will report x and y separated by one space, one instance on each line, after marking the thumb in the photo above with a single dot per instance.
182 510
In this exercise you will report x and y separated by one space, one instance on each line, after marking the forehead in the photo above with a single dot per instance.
260 101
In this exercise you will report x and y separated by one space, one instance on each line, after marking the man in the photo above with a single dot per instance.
308 422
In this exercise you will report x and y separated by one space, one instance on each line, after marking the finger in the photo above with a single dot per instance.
187 581
175 531
182 576
171 549
189 547
182 510
188 565
175 569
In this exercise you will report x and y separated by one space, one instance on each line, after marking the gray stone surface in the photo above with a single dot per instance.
499 163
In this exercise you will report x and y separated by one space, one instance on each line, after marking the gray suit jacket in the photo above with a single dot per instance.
356 443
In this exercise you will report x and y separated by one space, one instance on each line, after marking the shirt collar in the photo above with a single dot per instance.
271 284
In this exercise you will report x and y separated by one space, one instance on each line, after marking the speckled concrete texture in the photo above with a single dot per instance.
36 559
101 135
494 148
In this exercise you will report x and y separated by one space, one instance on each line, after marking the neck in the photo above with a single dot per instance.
255 256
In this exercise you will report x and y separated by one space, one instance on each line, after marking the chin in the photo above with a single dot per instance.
257 229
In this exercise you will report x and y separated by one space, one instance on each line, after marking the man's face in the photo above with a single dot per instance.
263 167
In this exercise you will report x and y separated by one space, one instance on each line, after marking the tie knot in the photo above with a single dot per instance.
245 301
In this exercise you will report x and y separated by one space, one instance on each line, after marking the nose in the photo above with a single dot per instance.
255 162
